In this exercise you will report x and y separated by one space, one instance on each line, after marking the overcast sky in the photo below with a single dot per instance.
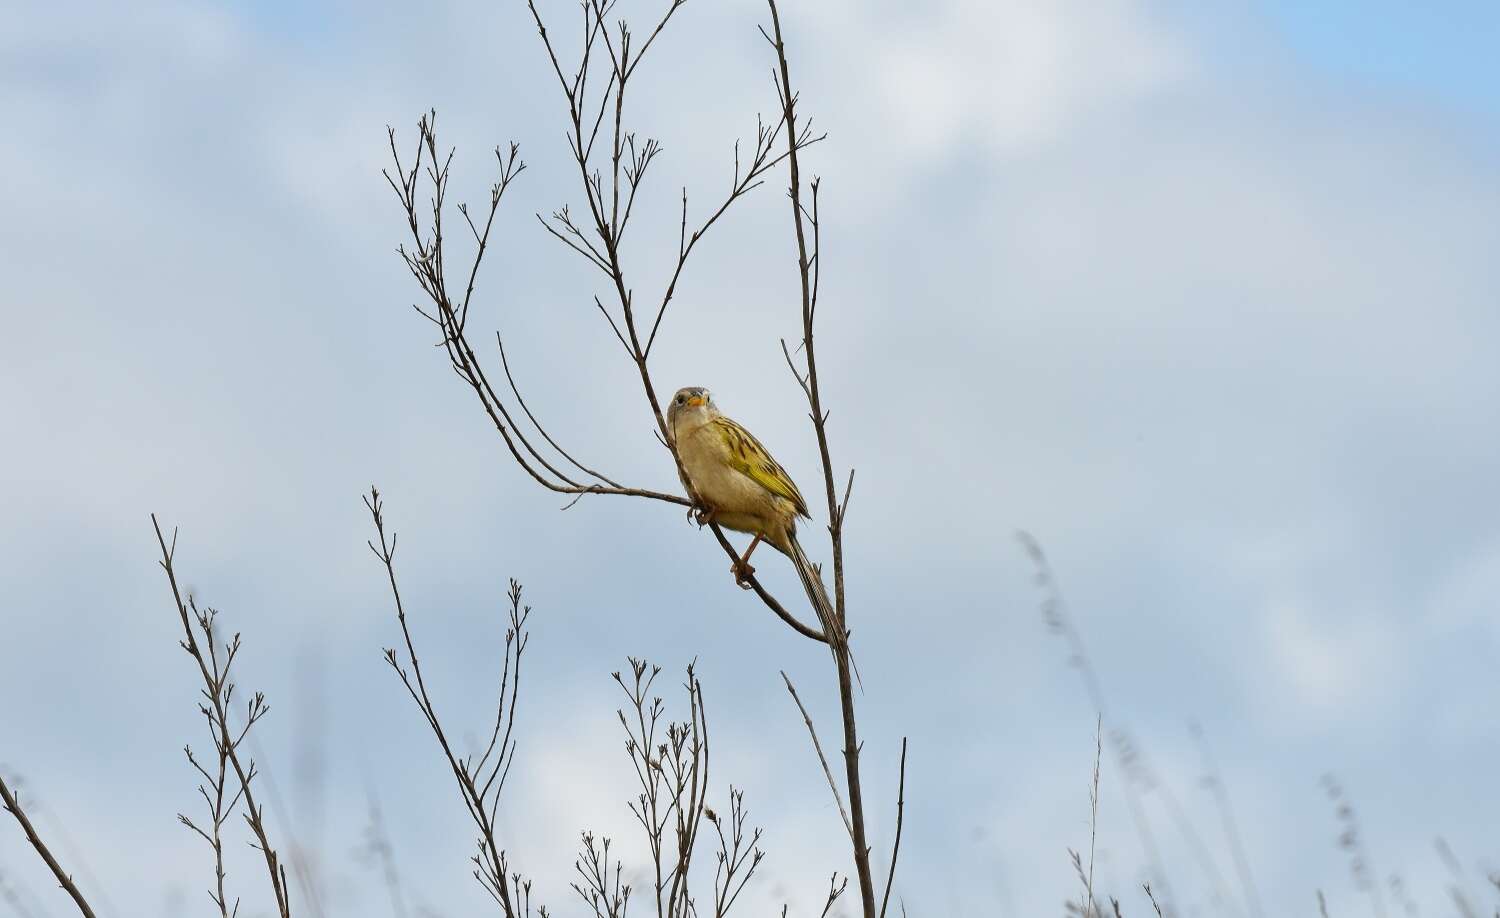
1207 300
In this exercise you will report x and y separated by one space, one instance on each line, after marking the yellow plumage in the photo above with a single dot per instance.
741 487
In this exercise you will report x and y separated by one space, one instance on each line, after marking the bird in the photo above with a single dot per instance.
741 487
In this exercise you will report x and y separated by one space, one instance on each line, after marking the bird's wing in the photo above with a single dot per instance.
746 456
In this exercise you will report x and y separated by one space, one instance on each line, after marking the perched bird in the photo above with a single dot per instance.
743 488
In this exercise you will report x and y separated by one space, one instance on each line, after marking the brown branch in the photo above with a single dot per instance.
822 759
771 602
671 769
734 851
584 247
218 693
537 424
690 780
425 261
480 783
13 806
795 141
835 889
650 809
762 164
900 816
219 810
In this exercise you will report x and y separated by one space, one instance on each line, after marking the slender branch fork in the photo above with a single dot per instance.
612 164
218 695
480 776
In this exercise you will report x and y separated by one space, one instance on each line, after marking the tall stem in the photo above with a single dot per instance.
838 642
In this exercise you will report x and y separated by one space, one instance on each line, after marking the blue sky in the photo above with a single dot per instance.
1204 298
1441 50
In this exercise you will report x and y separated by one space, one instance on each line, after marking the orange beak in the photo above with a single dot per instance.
695 400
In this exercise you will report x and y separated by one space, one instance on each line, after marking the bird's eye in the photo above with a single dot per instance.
680 399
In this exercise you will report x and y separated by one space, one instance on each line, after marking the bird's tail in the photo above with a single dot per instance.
817 594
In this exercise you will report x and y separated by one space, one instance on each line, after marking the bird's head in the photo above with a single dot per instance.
690 407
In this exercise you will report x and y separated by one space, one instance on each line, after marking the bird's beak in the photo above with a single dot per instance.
695 401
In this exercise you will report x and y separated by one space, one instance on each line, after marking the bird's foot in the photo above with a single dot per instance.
742 572
701 515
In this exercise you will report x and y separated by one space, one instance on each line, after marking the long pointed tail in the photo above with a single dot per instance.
812 582
817 594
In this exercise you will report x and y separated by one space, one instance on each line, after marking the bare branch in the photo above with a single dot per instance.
537 424
796 139
771 602
900 817
425 261
823 760
13 807
836 888
480 784
217 692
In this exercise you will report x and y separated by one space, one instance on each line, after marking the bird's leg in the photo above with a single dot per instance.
741 567
701 515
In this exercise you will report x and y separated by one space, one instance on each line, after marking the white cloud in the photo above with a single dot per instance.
1221 349
1009 77
1333 664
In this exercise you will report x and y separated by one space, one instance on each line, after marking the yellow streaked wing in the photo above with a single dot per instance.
748 457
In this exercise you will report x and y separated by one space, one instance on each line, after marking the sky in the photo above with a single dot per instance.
1202 297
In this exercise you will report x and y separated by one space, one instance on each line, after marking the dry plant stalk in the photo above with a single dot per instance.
670 760
1055 615
612 163
1140 779
1088 906
12 805
480 780
1156 905
671 766
215 660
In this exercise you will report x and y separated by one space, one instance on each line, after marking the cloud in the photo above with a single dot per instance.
1330 665
1219 342
1010 78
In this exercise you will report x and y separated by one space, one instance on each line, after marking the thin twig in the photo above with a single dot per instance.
823 760
500 343
900 818
1094 809
13 806
1055 615
480 785
218 693
836 888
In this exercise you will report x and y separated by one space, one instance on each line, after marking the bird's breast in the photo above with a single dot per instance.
706 458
